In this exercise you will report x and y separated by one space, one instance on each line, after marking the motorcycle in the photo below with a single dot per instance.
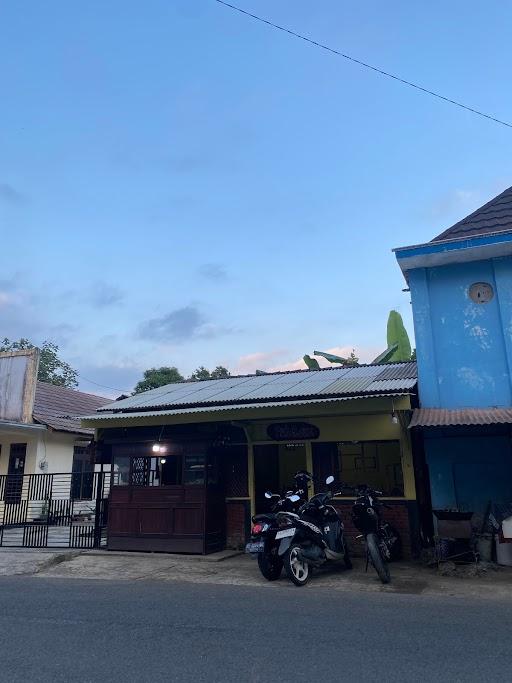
383 542
312 537
263 544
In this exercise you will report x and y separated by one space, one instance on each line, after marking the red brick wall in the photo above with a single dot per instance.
398 516
236 513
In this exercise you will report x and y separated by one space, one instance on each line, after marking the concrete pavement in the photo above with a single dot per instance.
234 569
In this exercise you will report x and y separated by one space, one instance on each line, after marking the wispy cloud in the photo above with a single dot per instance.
456 201
10 195
180 325
260 360
104 295
215 272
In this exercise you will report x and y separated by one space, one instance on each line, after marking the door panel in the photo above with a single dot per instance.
14 482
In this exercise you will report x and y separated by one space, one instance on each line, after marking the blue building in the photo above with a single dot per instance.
461 292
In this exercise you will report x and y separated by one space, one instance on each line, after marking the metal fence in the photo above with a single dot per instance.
54 510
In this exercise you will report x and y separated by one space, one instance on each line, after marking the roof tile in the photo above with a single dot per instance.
60 407
495 216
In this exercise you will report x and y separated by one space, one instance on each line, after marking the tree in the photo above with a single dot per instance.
158 377
52 369
220 372
201 373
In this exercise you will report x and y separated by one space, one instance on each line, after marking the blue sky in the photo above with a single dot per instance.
180 185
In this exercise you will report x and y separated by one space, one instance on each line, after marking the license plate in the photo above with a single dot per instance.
284 533
255 547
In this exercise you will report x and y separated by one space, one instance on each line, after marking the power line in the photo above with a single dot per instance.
365 65
104 386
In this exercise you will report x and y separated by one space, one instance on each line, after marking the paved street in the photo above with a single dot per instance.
83 630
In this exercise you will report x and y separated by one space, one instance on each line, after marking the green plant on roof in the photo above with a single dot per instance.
397 336
351 360
312 363
385 356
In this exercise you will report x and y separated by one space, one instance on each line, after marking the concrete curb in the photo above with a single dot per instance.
214 557
55 560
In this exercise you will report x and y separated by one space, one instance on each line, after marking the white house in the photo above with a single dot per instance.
39 430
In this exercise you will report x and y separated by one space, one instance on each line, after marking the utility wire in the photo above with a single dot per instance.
365 65
104 386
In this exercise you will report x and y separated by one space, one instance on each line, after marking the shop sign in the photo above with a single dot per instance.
293 431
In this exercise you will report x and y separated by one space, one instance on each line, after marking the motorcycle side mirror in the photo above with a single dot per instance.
329 479
268 495
294 498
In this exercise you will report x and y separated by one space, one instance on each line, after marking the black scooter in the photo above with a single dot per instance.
263 544
383 541
312 537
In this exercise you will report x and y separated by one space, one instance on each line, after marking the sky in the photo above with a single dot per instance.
181 185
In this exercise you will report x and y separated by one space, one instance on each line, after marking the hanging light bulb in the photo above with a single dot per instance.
155 448
394 418
163 461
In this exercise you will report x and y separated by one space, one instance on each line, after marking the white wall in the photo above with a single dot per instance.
56 448
9 437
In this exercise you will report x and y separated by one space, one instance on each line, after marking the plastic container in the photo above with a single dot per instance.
503 551
506 527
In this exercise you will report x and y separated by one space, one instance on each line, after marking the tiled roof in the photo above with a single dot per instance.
59 407
495 216
360 381
442 417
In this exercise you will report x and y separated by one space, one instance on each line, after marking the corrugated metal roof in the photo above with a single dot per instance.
102 416
391 385
398 371
335 381
442 417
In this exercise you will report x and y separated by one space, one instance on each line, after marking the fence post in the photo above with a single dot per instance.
98 516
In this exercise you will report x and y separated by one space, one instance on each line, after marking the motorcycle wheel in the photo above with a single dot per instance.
270 566
376 558
296 569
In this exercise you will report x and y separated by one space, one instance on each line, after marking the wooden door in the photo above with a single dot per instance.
266 475
215 509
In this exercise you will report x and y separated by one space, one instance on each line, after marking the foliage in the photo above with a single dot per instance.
220 372
312 363
385 356
397 334
413 354
351 360
158 377
51 368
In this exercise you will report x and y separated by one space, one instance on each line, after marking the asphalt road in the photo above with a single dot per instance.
75 630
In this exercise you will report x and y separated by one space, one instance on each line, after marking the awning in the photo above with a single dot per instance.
219 413
441 417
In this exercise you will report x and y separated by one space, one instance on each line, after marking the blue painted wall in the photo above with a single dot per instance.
464 349
468 470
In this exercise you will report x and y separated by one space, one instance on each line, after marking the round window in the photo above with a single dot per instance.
481 292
